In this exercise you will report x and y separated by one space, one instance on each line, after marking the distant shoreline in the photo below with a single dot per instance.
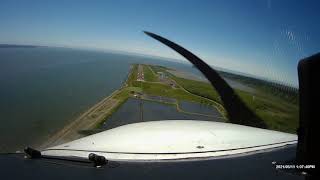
17 46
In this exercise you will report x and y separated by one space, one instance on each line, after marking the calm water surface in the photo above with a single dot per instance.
130 112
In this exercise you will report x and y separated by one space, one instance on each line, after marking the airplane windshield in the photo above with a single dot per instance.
72 69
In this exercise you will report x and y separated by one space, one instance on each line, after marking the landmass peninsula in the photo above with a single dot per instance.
146 82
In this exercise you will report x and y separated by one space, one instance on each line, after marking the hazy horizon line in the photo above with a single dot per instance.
117 51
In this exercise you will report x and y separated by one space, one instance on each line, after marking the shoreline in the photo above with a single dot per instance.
89 119
85 121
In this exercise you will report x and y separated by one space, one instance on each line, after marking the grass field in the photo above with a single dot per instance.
279 113
153 87
199 88
148 74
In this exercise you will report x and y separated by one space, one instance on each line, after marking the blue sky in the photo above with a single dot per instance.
265 38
